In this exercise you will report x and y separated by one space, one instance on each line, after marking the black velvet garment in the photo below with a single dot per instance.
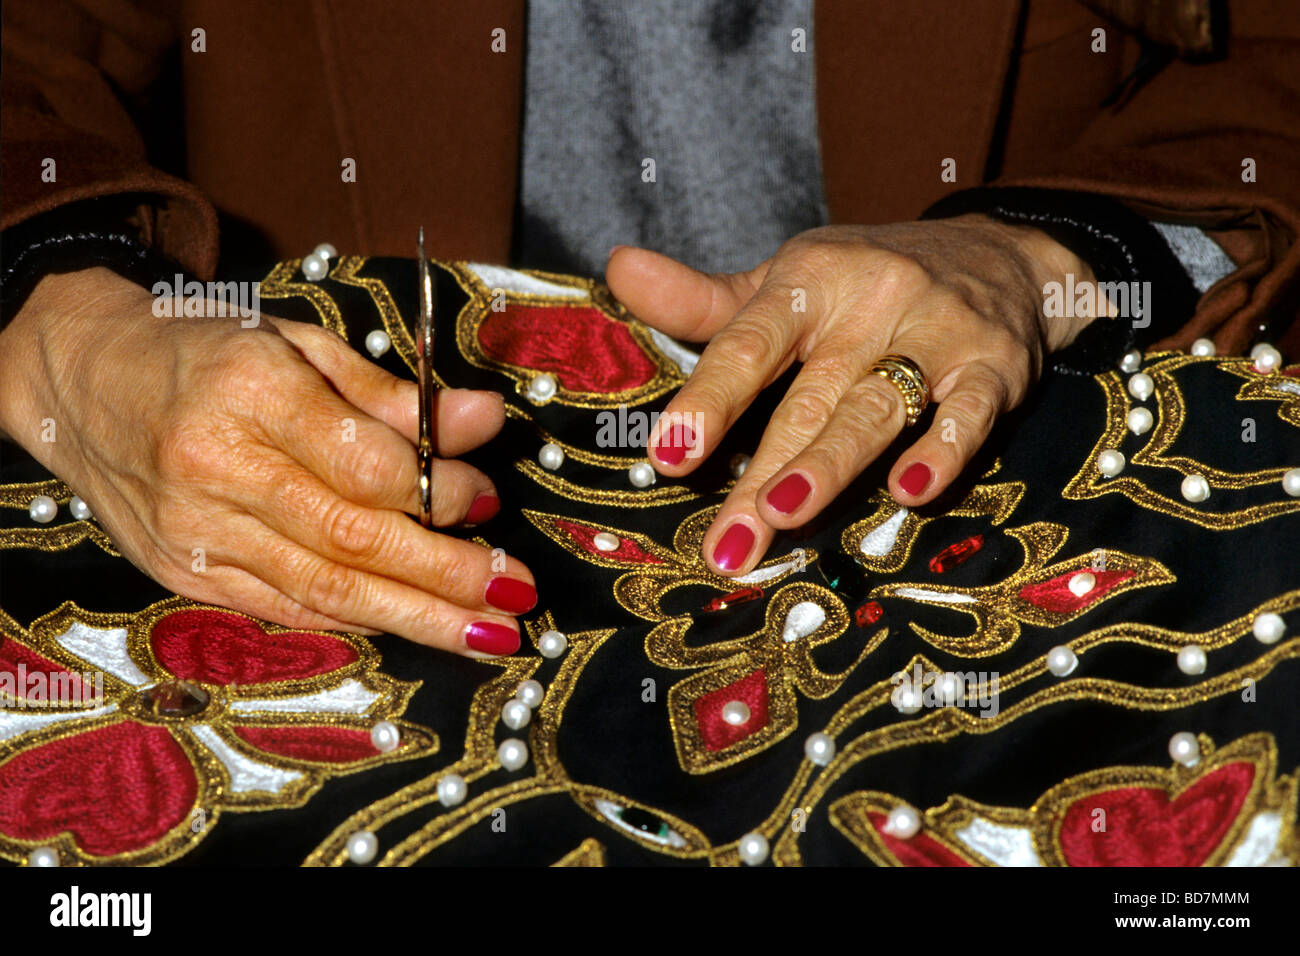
1000 678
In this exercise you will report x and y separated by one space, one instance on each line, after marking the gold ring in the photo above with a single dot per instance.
901 372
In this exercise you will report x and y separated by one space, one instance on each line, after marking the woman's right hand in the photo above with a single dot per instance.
270 470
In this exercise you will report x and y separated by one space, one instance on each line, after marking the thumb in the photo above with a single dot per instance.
674 298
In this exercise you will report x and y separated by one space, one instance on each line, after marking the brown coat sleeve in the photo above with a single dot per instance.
68 70
1177 151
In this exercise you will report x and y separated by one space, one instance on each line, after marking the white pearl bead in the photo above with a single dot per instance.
1140 386
452 790
43 509
1254 352
903 822
1195 488
325 251
378 342
1203 347
907 698
43 856
552 644
315 267
1140 421
1062 661
79 509
738 465
1110 462
819 748
551 456
515 714
512 754
1131 362
385 736
362 847
604 541
641 475
948 689
1185 749
542 388
530 693
1291 482
1191 660
1081 583
1267 359
736 713
753 849
1269 628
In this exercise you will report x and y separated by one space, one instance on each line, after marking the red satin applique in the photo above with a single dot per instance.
1055 595
325 744
585 536
920 850
12 654
716 733
585 349
1145 828
116 788
220 648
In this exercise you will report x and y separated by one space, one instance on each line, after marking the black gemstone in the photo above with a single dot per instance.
643 820
844 576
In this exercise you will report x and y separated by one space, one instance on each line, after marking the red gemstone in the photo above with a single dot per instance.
955 554
735 597
869 613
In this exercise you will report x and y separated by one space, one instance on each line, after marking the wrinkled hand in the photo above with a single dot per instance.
264 469
960 297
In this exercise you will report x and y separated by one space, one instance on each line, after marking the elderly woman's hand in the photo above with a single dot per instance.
264 469
962 298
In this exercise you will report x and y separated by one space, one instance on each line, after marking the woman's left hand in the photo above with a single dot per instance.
962 298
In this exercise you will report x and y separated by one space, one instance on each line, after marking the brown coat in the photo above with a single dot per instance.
412 91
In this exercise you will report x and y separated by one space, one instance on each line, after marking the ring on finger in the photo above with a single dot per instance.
904 374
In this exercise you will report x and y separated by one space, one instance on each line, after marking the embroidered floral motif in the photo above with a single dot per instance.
203 712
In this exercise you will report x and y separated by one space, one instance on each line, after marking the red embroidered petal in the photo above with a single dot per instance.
1055 595
115 789
217 647
920 850
627 551
1145 828
586 349
66 687
716 733
324 744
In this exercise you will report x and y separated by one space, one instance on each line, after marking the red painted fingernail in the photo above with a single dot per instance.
914 480
733 547
673 444
485 506
511 595
488 637
790 492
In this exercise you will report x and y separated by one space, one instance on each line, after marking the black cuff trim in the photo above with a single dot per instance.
77 236
1116 242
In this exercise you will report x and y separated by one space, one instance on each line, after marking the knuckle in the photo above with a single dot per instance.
356 532
747 346
329 588
373 470
875 402
190 450
977 408
898 272
808 410
454 568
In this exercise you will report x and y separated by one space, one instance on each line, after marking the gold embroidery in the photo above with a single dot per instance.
215 792
588 853
1090 483
279 284
52 537
999 609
